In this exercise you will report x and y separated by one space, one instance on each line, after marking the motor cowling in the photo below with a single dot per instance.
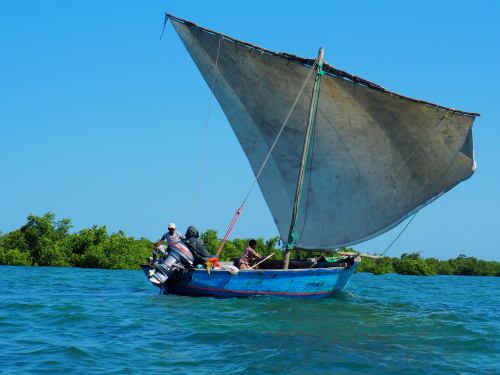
182 251
177 258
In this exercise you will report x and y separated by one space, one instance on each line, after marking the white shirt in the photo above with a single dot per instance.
172 238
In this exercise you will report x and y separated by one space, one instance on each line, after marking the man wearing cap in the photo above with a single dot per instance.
171 237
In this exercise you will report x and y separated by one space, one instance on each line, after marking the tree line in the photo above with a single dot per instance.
45 241
413 264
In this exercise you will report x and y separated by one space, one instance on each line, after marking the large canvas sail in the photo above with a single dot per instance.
376 156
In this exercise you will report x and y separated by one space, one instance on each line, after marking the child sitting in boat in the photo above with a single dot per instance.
249 256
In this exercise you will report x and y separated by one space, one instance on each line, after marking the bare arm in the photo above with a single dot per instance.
160 241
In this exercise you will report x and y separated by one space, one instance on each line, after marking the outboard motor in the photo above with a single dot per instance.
177 259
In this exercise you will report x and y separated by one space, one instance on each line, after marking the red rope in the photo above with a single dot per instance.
231 226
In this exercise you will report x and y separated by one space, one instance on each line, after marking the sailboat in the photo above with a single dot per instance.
339 159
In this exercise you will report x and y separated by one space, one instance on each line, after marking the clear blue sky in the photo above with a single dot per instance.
100 120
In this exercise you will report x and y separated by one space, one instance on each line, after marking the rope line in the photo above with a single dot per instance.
400 233
229 229
164 25
280 131
205 138
418 210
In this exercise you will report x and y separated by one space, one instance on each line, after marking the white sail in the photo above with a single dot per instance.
376 156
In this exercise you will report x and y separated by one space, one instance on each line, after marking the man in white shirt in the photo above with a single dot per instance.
165 265
171 237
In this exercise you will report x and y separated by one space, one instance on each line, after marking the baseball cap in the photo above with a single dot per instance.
171 225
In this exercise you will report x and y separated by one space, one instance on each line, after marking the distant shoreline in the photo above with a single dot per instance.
45 241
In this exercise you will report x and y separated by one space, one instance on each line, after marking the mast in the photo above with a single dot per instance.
313 108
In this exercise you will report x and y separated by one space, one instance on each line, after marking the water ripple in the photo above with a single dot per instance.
101 321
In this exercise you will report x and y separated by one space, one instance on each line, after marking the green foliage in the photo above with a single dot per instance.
409 266
464 265
45 241
14 257
210 240
376 266
125 252
14 250
230 251
52 254
412 256
413 264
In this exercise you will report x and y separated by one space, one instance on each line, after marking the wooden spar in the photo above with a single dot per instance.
263 260
305 153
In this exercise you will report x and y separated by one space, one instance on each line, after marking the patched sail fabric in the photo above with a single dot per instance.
376 156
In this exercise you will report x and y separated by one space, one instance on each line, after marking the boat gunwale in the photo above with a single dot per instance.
327 68
277 270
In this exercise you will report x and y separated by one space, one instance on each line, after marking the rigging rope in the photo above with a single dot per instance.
400 233
205 138
238 211
164 25
280 131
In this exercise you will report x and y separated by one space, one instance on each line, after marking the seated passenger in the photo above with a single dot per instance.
196 245
249 256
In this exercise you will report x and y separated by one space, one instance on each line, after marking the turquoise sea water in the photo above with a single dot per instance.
60 320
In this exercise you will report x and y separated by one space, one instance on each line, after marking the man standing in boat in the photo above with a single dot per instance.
171 237
249 256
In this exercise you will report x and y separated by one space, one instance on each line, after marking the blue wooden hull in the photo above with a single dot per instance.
294 283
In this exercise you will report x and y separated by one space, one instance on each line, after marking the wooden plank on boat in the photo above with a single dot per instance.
363 255
300 264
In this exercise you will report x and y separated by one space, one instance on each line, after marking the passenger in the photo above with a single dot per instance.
249 256
171 237
196 245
